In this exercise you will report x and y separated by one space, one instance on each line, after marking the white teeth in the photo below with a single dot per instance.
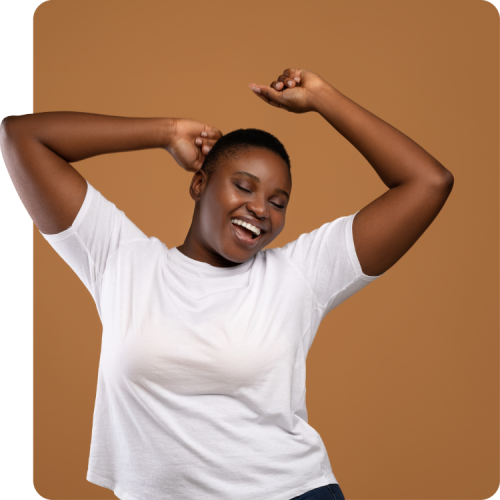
254 229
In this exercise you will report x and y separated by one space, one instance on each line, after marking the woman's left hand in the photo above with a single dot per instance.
295 90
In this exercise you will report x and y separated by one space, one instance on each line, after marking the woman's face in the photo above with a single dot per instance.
253 188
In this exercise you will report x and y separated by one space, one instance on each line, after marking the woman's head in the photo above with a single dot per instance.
244 178
229 145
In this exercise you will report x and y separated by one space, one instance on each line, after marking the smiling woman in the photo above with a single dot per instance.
201 387
241 195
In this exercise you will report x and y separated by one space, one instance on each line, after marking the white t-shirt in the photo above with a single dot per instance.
201 389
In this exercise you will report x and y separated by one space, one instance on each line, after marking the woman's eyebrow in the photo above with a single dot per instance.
256 179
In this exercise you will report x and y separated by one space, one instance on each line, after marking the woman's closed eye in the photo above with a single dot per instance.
246 190
243 189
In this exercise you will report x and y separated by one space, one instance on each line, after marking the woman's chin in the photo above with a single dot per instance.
237 256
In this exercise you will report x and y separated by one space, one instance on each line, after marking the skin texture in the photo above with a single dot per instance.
211 238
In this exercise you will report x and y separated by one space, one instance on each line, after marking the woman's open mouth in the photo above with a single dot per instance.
244 235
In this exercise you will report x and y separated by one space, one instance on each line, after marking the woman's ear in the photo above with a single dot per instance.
198 183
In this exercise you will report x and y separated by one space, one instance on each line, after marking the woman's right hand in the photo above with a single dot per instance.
190 143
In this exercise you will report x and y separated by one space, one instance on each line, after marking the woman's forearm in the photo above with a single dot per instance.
396 158
75 136
38 148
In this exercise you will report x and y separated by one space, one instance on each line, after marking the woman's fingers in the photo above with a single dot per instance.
205 144
269 95
258 92
211 133
293 73
285 82
289 79
208 138
289 91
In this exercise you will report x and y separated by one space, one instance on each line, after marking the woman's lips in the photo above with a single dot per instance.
243 236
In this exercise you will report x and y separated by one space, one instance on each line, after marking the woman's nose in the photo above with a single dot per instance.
259 208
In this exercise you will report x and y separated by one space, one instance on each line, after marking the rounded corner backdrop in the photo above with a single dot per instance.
402 378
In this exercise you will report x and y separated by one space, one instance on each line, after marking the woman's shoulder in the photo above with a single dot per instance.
143 247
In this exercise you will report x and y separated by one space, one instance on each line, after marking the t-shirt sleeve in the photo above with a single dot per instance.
327 260
87 245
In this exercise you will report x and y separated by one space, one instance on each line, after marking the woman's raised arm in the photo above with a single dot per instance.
419 185
37 149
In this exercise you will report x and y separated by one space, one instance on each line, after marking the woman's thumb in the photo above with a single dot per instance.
268 94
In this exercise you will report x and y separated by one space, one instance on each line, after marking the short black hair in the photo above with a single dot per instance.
232 143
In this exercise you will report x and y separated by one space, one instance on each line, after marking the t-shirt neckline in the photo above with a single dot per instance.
203 268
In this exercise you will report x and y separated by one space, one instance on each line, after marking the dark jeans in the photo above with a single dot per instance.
329 492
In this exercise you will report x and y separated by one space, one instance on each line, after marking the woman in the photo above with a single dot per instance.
201 389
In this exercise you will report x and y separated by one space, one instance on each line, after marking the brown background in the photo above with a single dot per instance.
402 379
